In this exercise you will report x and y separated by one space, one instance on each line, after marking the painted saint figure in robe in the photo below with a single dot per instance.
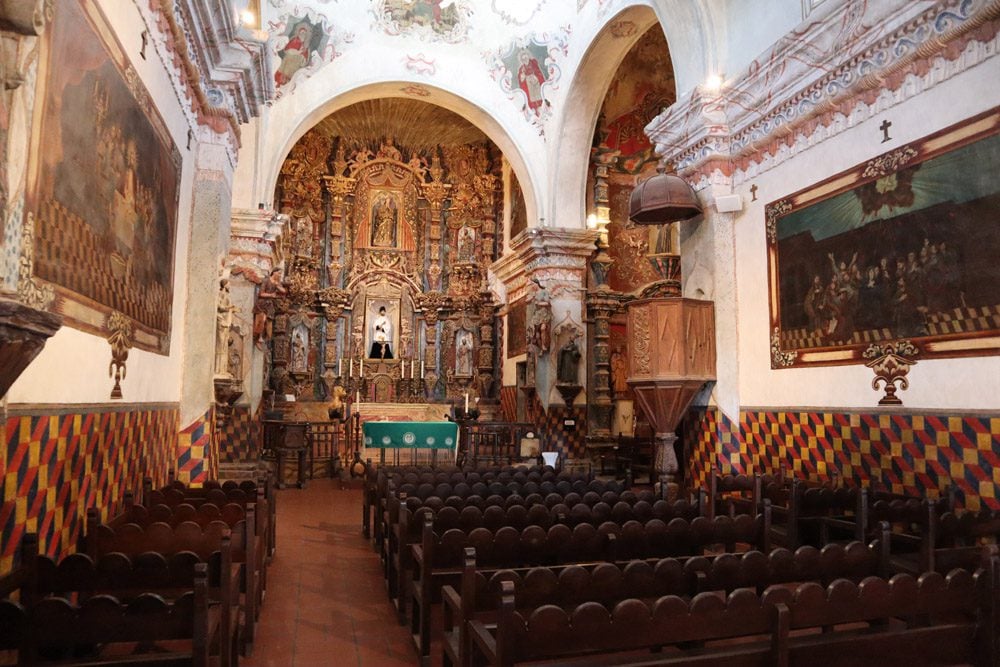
295 55
463 354
530 79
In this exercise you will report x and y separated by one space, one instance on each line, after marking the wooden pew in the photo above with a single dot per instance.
933 620
609 583
439 559
132 540
107 631
78 577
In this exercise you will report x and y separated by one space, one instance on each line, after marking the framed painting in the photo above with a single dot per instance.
901 248
105 183
517 328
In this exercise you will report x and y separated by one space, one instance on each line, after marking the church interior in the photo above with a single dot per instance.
500 332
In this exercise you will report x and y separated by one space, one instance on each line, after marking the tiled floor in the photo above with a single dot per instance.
326 602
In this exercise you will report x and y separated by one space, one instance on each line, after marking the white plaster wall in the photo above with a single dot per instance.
73 366
945 383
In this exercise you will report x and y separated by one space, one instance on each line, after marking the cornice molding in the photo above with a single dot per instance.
790 98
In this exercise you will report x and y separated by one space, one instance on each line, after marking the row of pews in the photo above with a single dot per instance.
178 577
533 565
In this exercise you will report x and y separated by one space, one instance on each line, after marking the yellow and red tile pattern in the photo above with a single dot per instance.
197 455
55 466
918 454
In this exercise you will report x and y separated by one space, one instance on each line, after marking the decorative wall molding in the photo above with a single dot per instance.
832 73
220 72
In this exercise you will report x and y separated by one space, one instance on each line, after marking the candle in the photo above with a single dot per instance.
402 369
466 403
413 370
421 369
357 396
340 366
350 367
361 365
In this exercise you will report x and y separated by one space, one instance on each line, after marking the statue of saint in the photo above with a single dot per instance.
298 353
384 224
568 370
381 337
338 394
619 372
463 354
264 309
223 323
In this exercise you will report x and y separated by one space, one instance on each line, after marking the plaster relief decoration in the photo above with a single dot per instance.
120 337
420 64
432 20
891 363
527 71
901 247
104 192
304 43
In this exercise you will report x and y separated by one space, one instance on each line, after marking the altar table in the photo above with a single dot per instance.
410 436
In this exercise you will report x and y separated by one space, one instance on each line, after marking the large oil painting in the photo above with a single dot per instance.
903 247
105 189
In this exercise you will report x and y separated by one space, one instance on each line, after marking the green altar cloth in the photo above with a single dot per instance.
410 435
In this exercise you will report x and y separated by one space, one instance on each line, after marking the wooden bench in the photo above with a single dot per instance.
609 583
933 620
102 630
133 540
439 559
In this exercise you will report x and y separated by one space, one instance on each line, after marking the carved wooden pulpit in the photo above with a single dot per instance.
671 356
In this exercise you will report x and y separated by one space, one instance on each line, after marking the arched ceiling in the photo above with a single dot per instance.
411 123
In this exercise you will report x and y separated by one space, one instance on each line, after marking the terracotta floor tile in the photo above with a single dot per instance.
326 601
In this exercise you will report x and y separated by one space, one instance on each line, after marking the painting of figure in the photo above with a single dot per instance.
906 251
105 191
444 20
530 79
305 38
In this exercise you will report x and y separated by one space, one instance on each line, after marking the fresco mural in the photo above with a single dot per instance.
903 247
105 191
304 43
433 20
527 71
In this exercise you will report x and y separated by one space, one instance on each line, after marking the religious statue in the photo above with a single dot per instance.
463 354
337 396
223 324
466 245
568 370
384 223
381 337
264 309
540 325
619 372
530 79
298 353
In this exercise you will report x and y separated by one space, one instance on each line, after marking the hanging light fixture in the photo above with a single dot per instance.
661 199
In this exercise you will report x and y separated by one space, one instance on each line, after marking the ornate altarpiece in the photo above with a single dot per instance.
373 227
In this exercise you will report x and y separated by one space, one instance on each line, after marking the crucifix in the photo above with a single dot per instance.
753 192
145 41
885 130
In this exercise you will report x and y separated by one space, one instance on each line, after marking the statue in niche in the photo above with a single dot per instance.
235 361
466 245
223 325
381 336
619 371
568 368
385 215
463 353
299 355
264 310
540 326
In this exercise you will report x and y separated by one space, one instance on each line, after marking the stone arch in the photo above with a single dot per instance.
476 115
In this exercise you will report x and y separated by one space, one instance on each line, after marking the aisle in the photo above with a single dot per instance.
326 601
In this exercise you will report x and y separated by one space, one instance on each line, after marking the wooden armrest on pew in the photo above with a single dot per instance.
483 641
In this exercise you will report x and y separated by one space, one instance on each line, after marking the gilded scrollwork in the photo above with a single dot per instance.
120 337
